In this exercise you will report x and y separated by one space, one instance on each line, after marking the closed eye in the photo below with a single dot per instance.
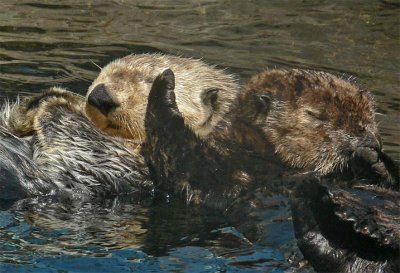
316 114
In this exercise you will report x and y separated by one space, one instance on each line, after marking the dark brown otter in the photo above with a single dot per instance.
277 124
241 157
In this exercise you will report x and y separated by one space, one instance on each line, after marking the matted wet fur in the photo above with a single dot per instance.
117 98
347 230
65 153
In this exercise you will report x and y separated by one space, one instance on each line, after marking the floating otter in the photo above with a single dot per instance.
338 229
115 103
117 98
255 142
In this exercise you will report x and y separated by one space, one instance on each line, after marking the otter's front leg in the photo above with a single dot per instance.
21 121
181 161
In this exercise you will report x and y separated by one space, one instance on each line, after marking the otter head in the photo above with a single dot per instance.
314 120
117 99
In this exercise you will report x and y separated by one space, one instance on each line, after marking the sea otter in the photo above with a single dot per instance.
338 228
117 99
115 103
282 120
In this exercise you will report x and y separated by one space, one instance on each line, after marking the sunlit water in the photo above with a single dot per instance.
47 43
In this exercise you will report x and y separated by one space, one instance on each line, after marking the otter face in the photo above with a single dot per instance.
315 120
117 99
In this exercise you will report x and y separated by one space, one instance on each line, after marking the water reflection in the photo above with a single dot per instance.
172 235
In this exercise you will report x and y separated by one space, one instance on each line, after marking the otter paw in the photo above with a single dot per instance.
161 103
374 167
22 121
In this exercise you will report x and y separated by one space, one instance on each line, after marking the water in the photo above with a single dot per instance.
47 43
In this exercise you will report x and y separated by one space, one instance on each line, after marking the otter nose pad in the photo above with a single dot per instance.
371 141
101 99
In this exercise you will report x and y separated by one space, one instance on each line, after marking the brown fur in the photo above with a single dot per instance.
128 81
282 121
22 119
313 120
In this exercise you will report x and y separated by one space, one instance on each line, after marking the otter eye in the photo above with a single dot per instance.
316 114
210 96
264 102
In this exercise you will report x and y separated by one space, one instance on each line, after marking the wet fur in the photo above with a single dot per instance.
239 157
347 229
65 153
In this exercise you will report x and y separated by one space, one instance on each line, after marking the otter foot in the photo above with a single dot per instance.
354 230
22 119
162 105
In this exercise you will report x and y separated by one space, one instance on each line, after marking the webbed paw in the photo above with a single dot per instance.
347 230
162 106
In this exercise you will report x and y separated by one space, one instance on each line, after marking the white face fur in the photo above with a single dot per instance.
203 94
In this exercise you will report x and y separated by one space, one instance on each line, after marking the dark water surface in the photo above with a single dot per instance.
47 43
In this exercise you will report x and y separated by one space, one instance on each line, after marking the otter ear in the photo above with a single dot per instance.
210 96
264 102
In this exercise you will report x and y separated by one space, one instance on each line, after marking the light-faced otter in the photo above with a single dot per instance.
117 98
115 102
64 153
245 151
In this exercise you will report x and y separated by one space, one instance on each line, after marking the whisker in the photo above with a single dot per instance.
95 64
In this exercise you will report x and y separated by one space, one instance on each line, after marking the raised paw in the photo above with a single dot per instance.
162 105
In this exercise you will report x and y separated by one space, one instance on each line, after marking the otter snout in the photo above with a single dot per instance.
101 99
370 140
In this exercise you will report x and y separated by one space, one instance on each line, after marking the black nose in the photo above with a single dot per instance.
370 140
100 99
